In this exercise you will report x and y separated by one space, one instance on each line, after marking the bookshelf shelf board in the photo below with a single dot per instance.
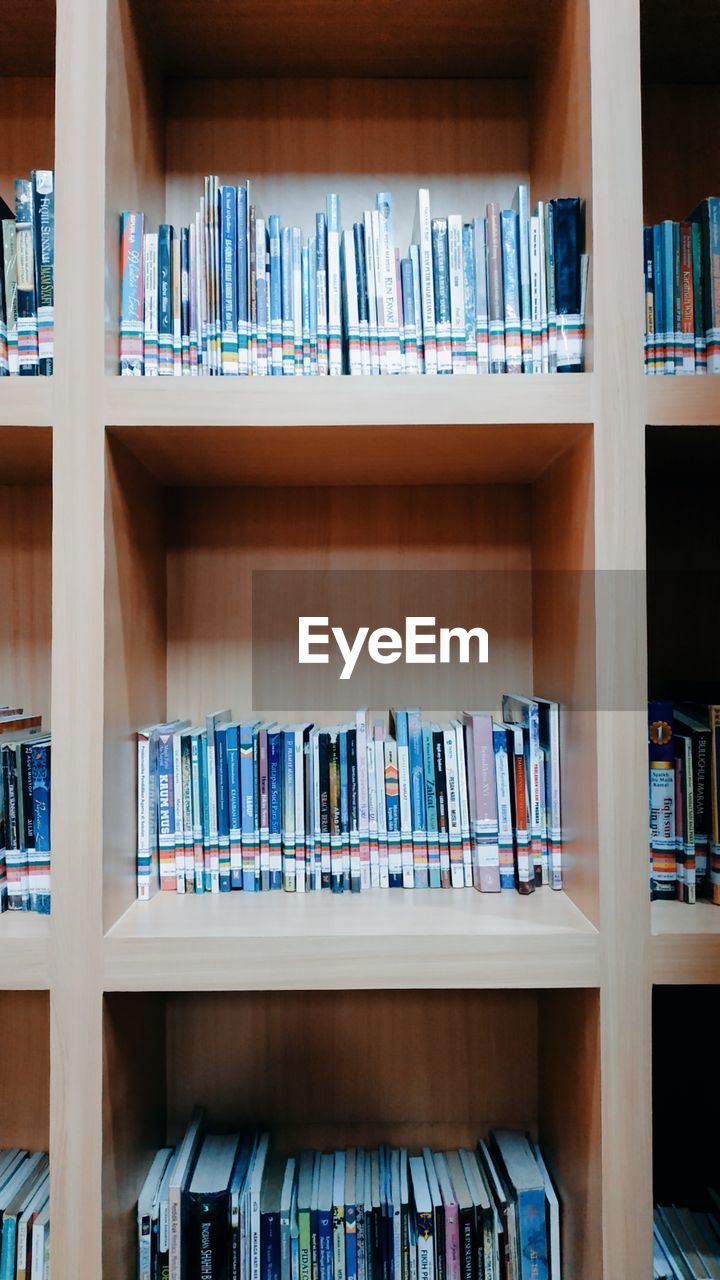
685 943
26 402
683 402
274 39
24 947
400 939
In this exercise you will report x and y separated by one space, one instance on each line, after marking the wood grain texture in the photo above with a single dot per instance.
27 116
681 151
24 951
456 939
370 37
25 591
25 1069
671 402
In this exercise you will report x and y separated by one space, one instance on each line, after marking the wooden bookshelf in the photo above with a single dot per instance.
114 499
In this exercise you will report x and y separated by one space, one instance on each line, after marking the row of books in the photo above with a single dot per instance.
684 780
24 813
254 805
682 293
230 1208
24 1215
686 1243
27 277
233 293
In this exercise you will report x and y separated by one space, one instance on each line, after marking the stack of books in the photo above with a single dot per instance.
253 805
684 772
230 1207
682 293
27 277
24 1215
686 1243
233 293
24 813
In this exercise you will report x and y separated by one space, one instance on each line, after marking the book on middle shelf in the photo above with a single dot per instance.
681 262
503 292
253 805
25 799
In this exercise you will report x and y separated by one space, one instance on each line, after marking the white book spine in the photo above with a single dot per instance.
464 805
391 315
178 803
297 299
144 844
150 257
417 298
261 289
408 869
543 288
372 292
457 294
379 294
535 286
373 816
427 287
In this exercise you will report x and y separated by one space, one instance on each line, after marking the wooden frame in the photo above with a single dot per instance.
574 970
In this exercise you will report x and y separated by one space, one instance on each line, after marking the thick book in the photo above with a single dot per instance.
527 1186
568 235
146 1201
180 1177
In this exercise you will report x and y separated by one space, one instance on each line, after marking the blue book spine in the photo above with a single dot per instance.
482 331
166 811
9 1241
232 748
270 1246
221 769
321 291
410 337
468 245
648 265
247 801
41 824
441 282
165 296
288 330
417 798
325 1244
660 336
532 1234
351 1243
132 321
243 295
207 853
433 838
288 792
275 806
344 810
229 281
668 255
276 315
511 290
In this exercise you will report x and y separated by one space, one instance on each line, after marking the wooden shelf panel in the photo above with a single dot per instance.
685 943
24 947
25 455
368 37
679 50
28 38
350 431
682 402
401 939
26 402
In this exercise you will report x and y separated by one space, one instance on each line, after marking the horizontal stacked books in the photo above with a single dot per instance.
24 813
686 1244
24 1215
256 805
684 759
682 293
27 277
229 1208
233 293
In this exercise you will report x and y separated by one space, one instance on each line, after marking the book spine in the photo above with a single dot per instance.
9 247
297 300
392 810
232 752
457 869
417 800
649 301
504 808
712 292
193 350
131 294
550 280
410 338
427 287
677 298
687 311
658 290
146 817
264 810
243 282
252 290
44 220
383 854
27 320
275 324
457 294
668 287
496 304
363 300
197 826
228 281
375 357
441 283
698 304
431 809
662 800
468 244
299 810
467 845
185 301
321 278
344 805
250 834
350 303
262 298
511 291
221 766
289 882
482 332
178 814
523 213
388 282
288 328
165 295
312 287
542 267
535 289
150 321
334 317
417 305
176 308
